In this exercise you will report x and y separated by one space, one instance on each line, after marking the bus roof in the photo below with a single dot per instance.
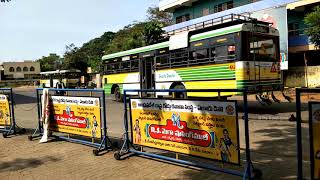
196 37
59 71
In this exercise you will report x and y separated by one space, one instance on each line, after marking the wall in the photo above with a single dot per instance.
196 9
7 65
297 77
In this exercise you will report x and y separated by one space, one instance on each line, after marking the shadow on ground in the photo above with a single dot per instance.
20 163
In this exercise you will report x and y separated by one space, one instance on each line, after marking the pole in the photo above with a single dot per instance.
299 144
246 127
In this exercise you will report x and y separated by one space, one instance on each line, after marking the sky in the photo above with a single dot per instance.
30 29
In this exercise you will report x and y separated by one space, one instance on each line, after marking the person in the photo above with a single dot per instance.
224 146
138 132
94 127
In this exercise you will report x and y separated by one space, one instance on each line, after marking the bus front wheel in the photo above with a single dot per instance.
117 94
180 95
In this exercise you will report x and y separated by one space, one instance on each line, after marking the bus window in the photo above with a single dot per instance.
125 66
221 53
262 49
199 56
134 65
179 58
162 62
213 54
114 67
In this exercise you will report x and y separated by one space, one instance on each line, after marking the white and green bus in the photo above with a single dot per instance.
66 78
239 55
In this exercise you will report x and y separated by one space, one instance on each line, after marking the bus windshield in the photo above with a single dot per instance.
263 48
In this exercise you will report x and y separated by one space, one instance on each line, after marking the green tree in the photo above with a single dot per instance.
312 20
154 14
49 63
152 32
75 59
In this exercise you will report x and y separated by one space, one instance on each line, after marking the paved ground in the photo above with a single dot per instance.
273 143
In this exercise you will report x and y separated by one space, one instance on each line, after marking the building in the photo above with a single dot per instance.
299 64
26 70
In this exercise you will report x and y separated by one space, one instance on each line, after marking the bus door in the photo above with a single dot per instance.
147 73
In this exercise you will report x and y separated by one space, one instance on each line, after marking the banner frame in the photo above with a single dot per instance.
216 160
12 128
299 92
249 170
105 142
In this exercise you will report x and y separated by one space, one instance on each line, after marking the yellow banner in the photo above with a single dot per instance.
315 126
76 115
5 115
206 129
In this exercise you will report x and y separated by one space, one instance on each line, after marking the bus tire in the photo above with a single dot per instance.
180 95
117 94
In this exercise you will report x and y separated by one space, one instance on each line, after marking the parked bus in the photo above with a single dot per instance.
237 56
59 78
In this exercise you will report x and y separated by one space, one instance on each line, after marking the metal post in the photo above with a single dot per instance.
246 127
299 143
126 118
104 119
12 111
39 114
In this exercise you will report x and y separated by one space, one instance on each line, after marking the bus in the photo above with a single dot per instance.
241 55
66 78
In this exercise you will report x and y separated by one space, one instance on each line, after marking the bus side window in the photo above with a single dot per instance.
135 65
162 62
213 54
199 56
231 52
221 53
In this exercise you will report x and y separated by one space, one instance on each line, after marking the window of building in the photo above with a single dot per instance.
25 69
293 29
223 6
205 11
183 18
18 69
11 69
31 68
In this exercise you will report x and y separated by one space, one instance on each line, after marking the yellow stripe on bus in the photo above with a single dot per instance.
222 84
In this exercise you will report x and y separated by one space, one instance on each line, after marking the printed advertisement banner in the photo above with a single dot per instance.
206 129
76 115
315 130
5 115
278 17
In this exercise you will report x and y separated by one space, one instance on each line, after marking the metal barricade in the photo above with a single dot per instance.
76 115
179 137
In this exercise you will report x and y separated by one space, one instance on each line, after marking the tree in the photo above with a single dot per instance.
152 32
75 59
49 63
154 14
312 20
5 0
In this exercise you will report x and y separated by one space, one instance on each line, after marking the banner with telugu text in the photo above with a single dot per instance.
5 115
206 129
76 115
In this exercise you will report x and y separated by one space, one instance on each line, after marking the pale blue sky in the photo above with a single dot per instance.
30 29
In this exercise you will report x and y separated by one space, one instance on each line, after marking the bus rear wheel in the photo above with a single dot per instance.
117 94
180 95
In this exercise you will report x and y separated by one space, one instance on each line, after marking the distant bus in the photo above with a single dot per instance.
243 55
67 78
